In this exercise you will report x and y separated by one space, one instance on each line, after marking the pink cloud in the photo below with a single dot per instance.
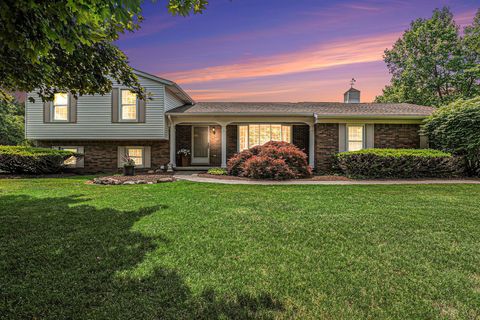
327 55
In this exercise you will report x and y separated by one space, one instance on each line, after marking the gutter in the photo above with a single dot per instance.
301 114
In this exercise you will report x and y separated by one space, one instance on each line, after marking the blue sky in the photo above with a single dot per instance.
277 50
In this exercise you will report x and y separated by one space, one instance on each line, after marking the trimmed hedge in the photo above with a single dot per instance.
397 163
31 160
273 160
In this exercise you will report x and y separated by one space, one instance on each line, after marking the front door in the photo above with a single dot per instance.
201 146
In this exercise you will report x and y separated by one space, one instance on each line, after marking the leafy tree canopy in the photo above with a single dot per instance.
11 123
455 128
432 64
66 45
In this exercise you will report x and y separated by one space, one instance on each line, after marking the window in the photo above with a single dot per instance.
136 154
73 162
60 107
257 134
355 138
128 109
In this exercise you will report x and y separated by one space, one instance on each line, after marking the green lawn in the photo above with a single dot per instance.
185 250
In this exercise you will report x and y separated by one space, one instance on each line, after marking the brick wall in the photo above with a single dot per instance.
101 156
326 145
300 137
397 136
183 140
232 140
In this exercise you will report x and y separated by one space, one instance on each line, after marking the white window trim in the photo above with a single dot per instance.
52 110
78 162
120 113
143 154
259 123
347 140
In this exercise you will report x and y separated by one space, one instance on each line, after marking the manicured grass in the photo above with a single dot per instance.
186 250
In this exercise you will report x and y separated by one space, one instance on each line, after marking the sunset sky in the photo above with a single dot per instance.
278 50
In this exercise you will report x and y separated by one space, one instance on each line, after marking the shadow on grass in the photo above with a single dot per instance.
59 258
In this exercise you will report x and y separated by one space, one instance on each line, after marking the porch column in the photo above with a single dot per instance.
172 145
224 145
311 145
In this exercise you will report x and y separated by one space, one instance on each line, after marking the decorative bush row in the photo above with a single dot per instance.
273 160
397 163
23 159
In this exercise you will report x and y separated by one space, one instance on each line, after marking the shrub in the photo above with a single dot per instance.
455 128
397 163
273 160
217 171
24 159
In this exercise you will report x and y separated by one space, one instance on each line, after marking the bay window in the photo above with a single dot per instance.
250 135
355 137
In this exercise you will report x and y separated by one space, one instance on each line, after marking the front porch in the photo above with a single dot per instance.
212 141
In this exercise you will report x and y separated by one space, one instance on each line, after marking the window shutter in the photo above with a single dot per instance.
342 137
369 136
72 108
141 110
147 157
80 161
424 144
120 155
46 112
115 105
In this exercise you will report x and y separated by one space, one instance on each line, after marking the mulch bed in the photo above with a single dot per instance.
314 178
137 179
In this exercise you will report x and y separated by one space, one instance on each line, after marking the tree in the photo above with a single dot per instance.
60 45
455 128
11 123
431 64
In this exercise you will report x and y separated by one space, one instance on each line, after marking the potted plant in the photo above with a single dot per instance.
128 166
184 156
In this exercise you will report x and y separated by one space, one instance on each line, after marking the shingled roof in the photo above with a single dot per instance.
322 109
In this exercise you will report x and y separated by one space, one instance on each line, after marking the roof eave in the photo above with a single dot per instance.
175 88
301 114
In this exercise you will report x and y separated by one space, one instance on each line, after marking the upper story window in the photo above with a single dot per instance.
60 107
128 106
355 137
257 134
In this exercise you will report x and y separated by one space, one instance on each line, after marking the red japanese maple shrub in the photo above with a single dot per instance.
273 160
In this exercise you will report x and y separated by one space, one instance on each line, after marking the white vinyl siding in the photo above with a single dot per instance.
94 119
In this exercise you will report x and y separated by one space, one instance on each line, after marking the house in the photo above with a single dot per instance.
107 127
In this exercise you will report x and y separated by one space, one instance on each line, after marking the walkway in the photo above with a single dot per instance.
189 176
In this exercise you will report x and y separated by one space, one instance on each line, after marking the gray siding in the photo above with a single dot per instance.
172 101
94 119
